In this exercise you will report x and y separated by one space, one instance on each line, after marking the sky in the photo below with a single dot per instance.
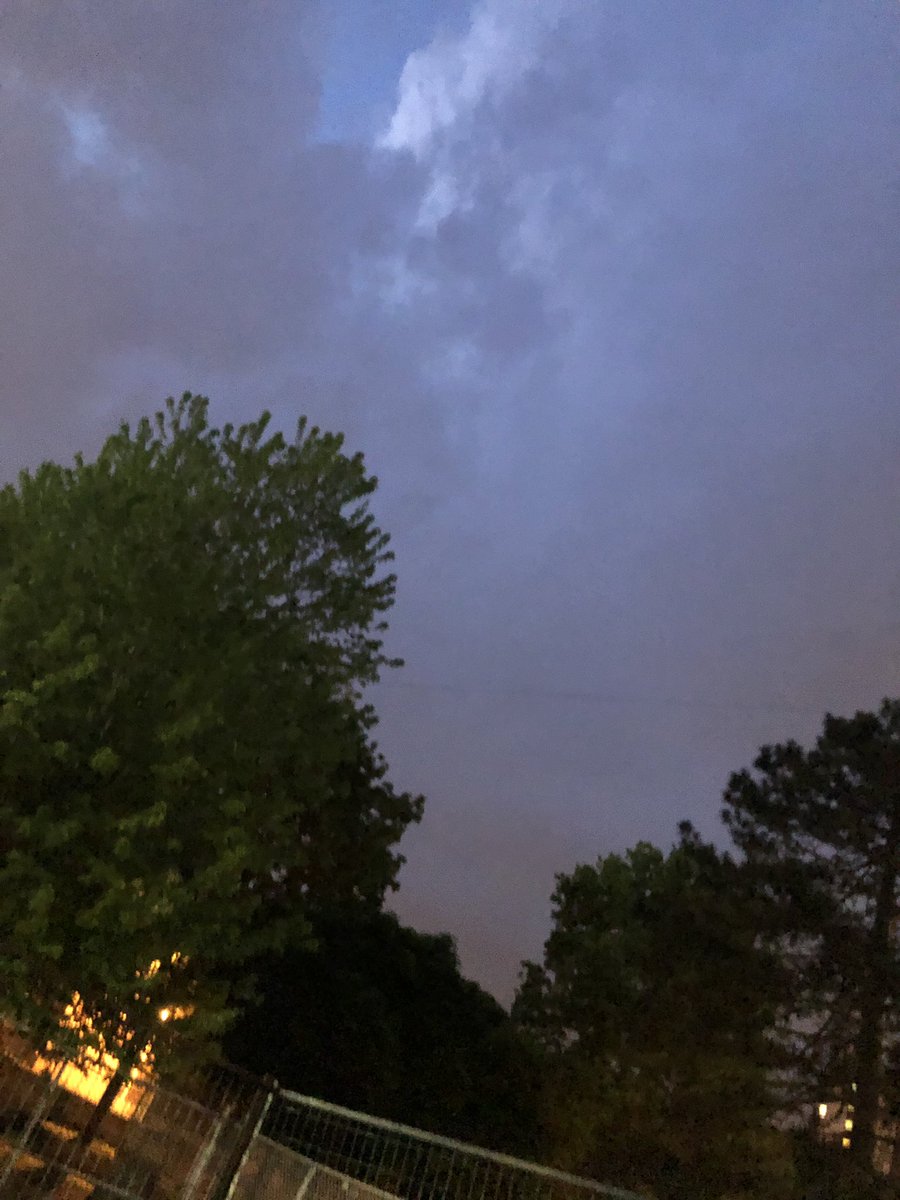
607 294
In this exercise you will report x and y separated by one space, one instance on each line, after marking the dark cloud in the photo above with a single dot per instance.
610 309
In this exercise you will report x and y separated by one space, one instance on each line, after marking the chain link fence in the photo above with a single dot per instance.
228 1136
161 1145
309 1149
274 1172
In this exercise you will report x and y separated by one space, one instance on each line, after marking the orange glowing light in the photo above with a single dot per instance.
89 1078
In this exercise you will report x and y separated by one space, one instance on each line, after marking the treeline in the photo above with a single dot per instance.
198 833
692 1011
698 1007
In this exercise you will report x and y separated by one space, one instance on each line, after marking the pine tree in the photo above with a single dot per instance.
820 830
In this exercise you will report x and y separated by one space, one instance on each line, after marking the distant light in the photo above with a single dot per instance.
165 1013
845 1143
848 1124
823 1111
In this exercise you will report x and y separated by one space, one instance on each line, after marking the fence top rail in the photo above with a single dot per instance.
437 1139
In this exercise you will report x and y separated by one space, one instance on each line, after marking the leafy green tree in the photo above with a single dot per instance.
651 1006
820 830
186 624
355 835
378 1017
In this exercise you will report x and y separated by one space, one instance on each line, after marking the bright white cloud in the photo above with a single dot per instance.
444 82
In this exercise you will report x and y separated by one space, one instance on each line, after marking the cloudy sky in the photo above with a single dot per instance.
606 291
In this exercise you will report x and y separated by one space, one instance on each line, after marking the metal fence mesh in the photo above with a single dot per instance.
373 1157
273 1172
167 1147
244 1140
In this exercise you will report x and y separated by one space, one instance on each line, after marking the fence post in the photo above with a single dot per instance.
229 1179
40 1111
204 1154
307 1180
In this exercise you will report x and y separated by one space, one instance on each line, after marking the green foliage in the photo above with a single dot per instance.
377 1017
820 829
185 624
651 1007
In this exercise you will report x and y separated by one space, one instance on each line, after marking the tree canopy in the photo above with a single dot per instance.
651 1005
186 624
378 1017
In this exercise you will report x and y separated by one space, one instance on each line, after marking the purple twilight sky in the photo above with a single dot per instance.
607 293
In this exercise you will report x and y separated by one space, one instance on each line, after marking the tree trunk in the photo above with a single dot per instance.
869 1073
868 1081
895 1157
104 1104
